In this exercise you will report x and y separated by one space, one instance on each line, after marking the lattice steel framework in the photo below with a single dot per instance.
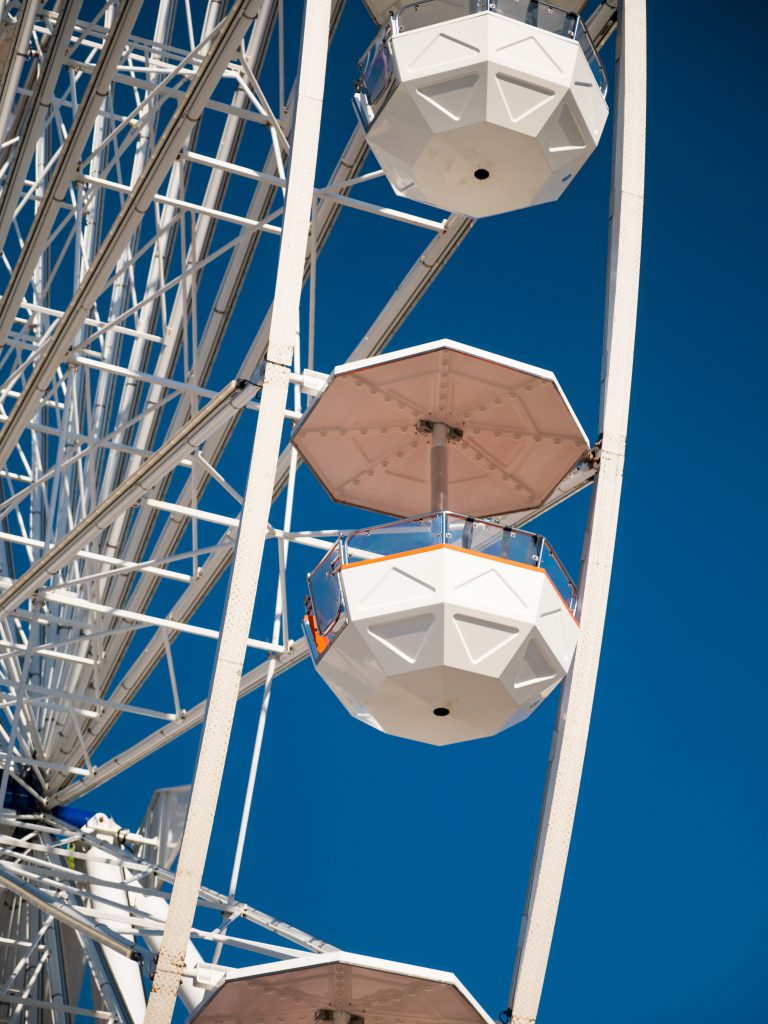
143 192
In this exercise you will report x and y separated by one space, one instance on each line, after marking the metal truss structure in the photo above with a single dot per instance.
154 162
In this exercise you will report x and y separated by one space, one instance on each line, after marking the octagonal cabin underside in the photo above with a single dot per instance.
444 645
489 114
516 435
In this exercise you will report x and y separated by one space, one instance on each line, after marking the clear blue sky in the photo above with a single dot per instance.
418 854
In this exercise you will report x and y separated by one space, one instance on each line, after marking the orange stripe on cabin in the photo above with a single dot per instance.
321 642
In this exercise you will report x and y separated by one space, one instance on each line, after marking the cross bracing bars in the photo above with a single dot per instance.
39 103
59 909
416 282
424 271
220 52
191 435
229 287
65 167
52 864
63 597
126 542
229 142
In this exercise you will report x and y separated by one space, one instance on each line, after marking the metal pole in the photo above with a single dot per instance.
258 497
438 464
229 401
572 728
58 908
160 162
25 23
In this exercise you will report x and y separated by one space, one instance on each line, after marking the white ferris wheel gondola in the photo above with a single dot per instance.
447 625
482 106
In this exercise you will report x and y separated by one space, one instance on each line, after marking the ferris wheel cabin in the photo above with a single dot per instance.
481 106
446 626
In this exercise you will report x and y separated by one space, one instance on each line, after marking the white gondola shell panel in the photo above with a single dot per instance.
488 114
444 645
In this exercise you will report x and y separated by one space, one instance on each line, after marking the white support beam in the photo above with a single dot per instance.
70 600
116 564
325 217
40 103
62 911
572 727
601 24
116 539
168 733
259 207
383 211
14 65
181 204
249 547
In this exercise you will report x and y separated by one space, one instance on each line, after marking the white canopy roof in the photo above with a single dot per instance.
380 991
515 435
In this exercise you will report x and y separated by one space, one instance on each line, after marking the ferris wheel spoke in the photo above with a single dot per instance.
131 756
209 578
40 103
85 118
158 165
226 404
423 273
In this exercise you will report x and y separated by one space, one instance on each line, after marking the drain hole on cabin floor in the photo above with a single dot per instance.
481 174
441 712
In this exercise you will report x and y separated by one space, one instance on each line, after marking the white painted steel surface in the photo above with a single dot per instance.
107 893
216 413
572 728
156 909
446 645
109 352
216 59
14 46
230 654
488 115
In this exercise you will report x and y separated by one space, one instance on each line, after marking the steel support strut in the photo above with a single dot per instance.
243 581
572 727
138 202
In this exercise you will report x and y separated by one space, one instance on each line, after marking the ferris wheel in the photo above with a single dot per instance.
162 222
